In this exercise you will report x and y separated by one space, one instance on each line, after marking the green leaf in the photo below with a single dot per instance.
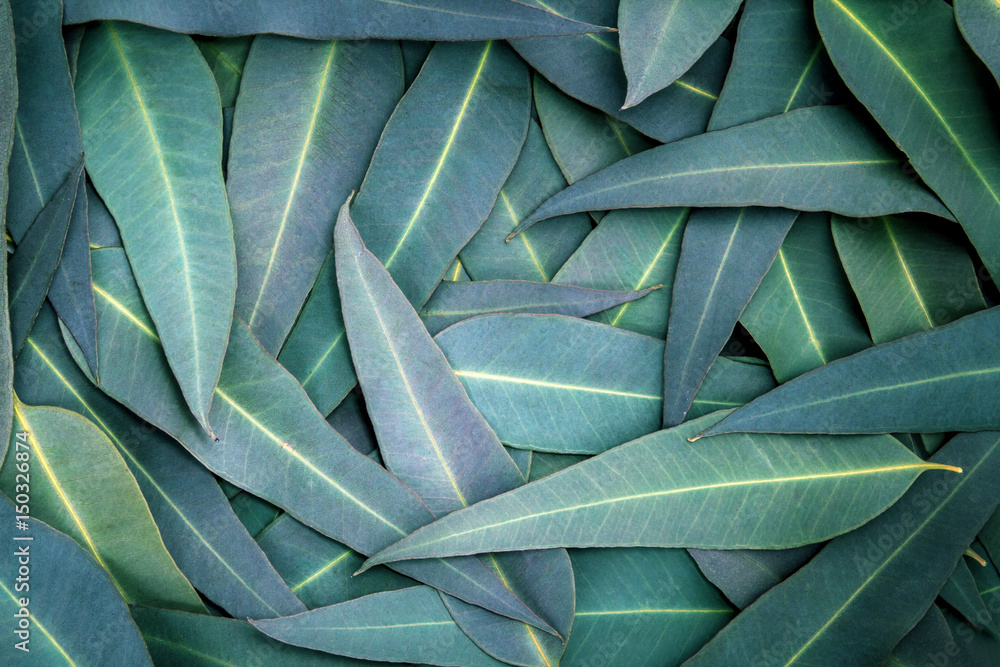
34 263
582 139
456 301
761 492
264 415
802 315
939 380
631 250
933 104
166 191
827 160
589 69
309 116
909 275
746 574
76 615
8 110
340 19
408 625
254 513
226 57
823 613
427 192
535 256
931 636
102 227
962 594
543 465
979 21
197 525
316 351
662 40
76 468
641 607
731 383
414 55
176 639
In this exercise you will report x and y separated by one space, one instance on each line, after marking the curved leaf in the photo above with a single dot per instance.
824 612
939 113
730 383
909 275
761 491
802 315
631 249
226 57
8 110
456 301
928 637
339 19
166 191
961 593
536 256
979 21
76 616
816 159
309 116
76 467
944 379
427 191
662 40
746 574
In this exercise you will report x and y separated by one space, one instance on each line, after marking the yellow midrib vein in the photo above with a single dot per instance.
27 157
317 105
553 385
320 572
798 302
444 155
524 237
802 77
906 272
649 269
40 626
117 305
173 208
695 89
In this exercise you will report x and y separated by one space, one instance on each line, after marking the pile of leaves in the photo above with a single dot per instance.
481 332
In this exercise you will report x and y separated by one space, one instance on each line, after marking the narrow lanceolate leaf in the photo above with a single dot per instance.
263 415
821 158
47 143
589 68
102 227
940 115
823 614
410 625
177 639
631 250
642 607
979 21
456 301
76 469
433 438
730 383
34 262
536 256
341 19
909 275
762 492
802 315
962 595
319 570
316 351
746 574
737 245
309 116
226 57
8 109
582 139
577 387
166 191
944 379
662 40
427 190
197 525
72 602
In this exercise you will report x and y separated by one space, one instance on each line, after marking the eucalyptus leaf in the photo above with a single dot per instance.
414 54
761 491
254 513
746 574
101 226
226 57
979 22
8 110
940 115
731 383
962 594
930 637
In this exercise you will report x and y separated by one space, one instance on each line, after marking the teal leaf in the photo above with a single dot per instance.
940 113
662 40
340 19
414 54
827 160
979 21
543 464
931 636
802 314
908 275
254 513
8 109
746 574
456 301
631 250
102 227
535 256
76 615
308 118
761 492
226 57
166 192
939 380
824 612
427 191
198 527
962 594
730 383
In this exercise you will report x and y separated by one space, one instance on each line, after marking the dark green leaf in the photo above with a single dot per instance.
730 383
254 513
929 639
979 21
414 55
961 592
102 227
746 574
226 57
